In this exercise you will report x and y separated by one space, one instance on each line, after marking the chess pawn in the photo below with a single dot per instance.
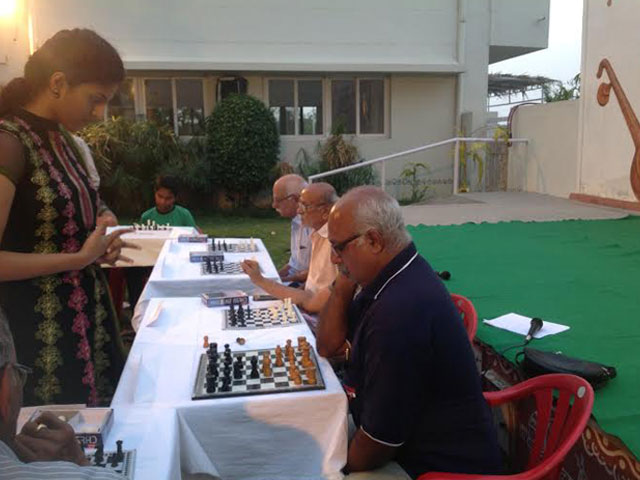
311 375
206 342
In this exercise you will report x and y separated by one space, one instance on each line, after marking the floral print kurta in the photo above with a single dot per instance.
63 324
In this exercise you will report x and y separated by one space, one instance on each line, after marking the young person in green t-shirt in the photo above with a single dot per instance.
166 211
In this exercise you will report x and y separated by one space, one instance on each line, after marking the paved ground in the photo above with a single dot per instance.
496 207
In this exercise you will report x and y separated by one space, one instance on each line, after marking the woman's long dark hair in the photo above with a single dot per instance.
81 54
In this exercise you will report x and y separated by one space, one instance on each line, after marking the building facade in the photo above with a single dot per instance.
396 75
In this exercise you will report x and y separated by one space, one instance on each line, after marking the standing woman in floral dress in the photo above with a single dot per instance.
51 287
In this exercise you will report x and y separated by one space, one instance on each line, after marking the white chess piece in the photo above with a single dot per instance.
252 246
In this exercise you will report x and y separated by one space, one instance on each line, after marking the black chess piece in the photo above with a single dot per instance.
226 384
207 263
113 459
254 368
98 457
240 310
211 384
238 368
119 451
248 312
232 315
215 265
224 245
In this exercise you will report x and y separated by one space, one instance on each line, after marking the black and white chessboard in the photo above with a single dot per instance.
220 268
278 382
258 318
242 246
151 227
111 463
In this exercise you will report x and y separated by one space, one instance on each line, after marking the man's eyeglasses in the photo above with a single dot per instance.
282 199
304 208
22 372
339 247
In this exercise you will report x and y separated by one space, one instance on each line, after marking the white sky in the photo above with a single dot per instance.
561 60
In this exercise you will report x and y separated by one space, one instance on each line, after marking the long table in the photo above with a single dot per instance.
150 243
277 436
175 276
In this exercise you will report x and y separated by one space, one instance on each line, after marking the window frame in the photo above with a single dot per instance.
174 98
386 104
297 135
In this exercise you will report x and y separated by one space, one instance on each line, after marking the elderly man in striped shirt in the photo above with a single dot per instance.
52 452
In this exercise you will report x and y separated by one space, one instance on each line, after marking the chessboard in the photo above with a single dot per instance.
240 246
231 374
151 226
247 318
122 461
220 267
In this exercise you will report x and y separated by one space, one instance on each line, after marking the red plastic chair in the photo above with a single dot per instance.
556 430
468 314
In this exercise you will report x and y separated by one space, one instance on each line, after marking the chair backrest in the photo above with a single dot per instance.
468 314
557 428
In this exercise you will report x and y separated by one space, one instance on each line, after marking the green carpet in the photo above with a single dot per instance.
585 274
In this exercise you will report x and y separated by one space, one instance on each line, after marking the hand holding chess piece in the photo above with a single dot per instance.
55 442
252 268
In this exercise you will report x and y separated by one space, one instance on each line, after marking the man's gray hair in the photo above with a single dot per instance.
380 211
7 348
294 184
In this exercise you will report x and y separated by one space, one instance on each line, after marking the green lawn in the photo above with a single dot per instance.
268 226
274 231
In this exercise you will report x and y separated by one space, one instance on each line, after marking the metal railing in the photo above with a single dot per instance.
456 158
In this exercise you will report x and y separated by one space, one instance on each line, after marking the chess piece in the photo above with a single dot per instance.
238 368
224 245
240 341
311 376
119 452
215 265
98 457
279 362
232 315
248 312
206 342
226 384
254 368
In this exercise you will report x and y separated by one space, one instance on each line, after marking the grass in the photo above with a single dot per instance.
272 229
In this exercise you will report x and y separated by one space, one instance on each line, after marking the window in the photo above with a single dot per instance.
296 106
371 106
358 105
309 109
190 106
123 102
281 104
159 101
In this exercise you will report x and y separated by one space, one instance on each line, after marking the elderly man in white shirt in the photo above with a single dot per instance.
286 193
314 206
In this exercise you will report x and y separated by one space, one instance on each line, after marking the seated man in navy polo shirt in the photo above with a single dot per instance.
414 391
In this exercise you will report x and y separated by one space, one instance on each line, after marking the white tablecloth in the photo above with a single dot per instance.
150 243
175 276
283 436
152 432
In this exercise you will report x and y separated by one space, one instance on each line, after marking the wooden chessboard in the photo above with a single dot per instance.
280 380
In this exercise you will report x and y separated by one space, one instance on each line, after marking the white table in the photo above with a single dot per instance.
282 436
150 243
152 432
175 276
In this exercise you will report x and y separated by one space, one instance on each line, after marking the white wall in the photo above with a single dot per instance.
358 35
518 27
551 157
422 111
606 149
14 43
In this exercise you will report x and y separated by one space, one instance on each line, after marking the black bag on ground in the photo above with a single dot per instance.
536 362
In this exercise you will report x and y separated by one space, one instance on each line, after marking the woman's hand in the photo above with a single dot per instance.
103 248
